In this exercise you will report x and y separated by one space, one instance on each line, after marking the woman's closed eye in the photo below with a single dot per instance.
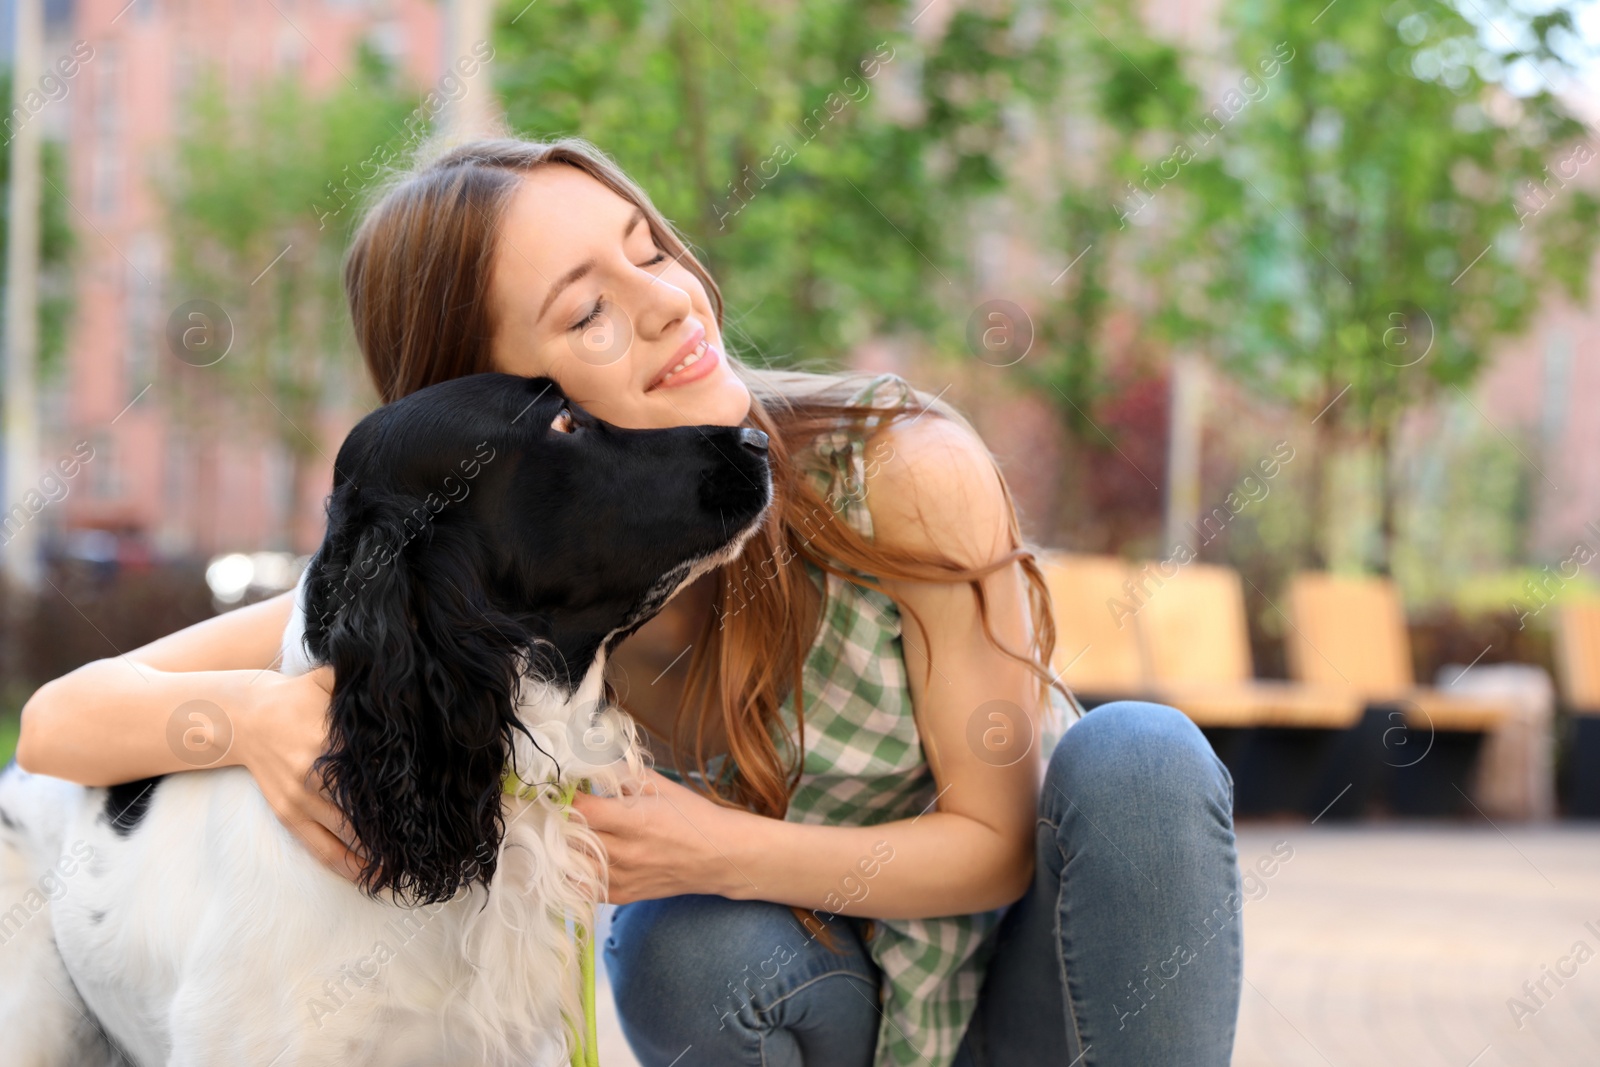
590 319
600 303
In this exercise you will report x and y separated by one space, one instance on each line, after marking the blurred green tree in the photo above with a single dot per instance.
1123 99
56 241
1400 197
838 163
820 155
260 200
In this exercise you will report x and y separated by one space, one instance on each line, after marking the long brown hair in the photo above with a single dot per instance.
417 278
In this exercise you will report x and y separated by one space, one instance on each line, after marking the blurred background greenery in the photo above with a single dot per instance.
1338 220
1299 229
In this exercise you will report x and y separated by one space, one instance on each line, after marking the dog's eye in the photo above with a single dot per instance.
563 423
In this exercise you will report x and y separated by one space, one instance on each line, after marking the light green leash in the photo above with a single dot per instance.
589 1055
585 1046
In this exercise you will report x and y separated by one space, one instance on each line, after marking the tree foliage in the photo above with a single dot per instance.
821 156
57 243
260 200
1396 203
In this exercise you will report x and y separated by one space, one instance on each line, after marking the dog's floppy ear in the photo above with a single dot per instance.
425 681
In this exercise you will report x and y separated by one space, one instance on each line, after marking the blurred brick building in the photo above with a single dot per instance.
1544 391
148 485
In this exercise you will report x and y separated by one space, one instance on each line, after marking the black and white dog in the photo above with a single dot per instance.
487 544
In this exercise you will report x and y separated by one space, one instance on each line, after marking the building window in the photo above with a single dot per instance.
105 481
105 177
290 52
183 73
107 166
141 309
175 470
108 87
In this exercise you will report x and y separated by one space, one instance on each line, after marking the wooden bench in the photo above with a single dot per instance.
1350 633
1128 631
1578 655
1197 638
1179 635
1099 656
1578 675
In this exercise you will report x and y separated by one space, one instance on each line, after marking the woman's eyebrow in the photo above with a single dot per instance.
584 268
561 283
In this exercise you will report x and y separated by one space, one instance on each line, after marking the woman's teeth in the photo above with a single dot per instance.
688 361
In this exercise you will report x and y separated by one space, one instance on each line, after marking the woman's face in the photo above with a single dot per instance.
582 294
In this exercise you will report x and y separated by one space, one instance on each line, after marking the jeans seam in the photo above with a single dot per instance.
813 980
761 1037
1060 953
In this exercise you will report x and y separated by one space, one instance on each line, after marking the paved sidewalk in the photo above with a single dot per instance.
1401 946
1408 946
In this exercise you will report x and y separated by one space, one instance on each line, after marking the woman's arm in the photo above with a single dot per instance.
106 722
973 850
109 721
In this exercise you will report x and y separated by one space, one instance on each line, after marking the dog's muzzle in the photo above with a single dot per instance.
753 439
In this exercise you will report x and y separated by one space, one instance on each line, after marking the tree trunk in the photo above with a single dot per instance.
1382 447
1314 546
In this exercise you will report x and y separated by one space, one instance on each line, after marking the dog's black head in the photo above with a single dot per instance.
478 529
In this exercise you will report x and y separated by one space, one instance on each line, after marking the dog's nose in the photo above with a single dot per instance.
753 439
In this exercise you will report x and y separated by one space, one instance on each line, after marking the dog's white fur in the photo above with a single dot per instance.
212 936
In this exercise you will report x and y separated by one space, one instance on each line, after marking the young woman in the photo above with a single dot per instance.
872 839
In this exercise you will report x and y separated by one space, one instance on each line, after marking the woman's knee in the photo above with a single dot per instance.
1133 752
676 947
682 968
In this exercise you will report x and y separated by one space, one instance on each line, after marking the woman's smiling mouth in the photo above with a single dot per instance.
701 360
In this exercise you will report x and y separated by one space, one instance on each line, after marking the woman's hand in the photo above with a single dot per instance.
663 841
284 730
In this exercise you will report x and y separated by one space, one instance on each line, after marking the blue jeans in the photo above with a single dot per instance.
1124 952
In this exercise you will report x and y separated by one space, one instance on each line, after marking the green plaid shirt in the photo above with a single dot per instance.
864 764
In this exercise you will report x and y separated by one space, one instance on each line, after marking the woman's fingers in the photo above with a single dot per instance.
320 806
327 829
283 755
326 847
325 813
596 811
